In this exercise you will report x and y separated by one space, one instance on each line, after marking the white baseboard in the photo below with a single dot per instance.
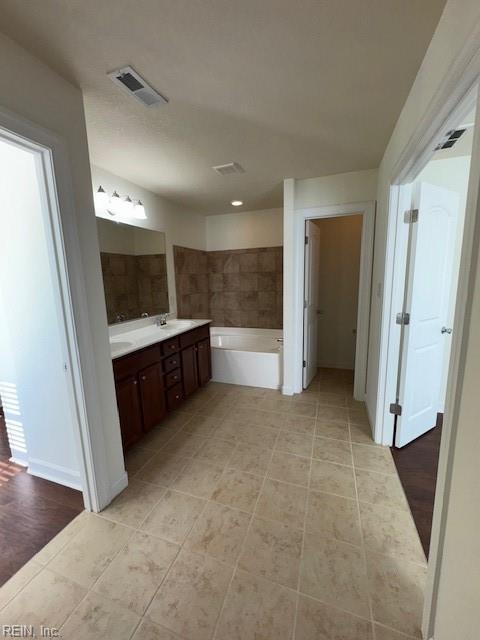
119 485
20 461
287 391
55 473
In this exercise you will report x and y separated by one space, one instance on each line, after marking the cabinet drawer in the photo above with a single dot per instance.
191 337
170 346
171 363
129 365
174 397
174 377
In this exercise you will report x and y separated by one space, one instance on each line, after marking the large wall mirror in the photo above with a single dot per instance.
134 271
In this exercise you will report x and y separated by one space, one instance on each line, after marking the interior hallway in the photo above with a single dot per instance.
32 511
248 515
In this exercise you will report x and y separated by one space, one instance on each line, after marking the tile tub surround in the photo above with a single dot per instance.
134 284
222 532
244 287
191 281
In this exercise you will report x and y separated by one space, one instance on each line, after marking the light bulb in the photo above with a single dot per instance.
127 207
101 199
237 203
139 211
115 204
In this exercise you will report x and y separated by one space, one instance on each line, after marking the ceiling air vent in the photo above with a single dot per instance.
450 139
135 85
228 169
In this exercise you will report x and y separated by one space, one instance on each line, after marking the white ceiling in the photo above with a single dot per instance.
285 88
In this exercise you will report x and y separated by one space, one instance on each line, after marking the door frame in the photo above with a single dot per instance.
395 270
58 188
308 250
455 98
367 210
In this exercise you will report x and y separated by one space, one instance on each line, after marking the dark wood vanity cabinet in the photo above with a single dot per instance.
129 410
155 380
152 396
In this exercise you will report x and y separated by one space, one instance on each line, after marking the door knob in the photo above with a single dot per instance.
447 330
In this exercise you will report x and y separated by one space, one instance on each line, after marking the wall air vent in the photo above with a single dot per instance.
131 82
228 169
450 139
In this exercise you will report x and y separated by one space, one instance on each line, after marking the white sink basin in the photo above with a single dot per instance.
117 345
176 325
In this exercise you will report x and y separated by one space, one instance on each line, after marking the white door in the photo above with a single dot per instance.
310 312
428 284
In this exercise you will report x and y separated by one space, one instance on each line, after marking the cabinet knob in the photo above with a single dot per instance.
174 362
144 377
135 382
175 377
177 397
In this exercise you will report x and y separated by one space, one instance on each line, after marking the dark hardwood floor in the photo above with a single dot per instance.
417 465
32 511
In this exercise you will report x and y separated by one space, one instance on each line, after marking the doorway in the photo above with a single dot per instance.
349 314
42 468
332 275
427 302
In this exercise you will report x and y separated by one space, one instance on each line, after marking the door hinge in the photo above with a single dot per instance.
396 409
305 304
304 364
411 216
403 318
306 239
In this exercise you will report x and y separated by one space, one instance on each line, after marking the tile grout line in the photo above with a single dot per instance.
242 546
362 538
307 502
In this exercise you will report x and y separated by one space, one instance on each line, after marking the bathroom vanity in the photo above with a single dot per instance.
155 370
156 364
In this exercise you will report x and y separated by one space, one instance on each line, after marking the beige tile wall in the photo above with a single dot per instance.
236 288
134 284
191 281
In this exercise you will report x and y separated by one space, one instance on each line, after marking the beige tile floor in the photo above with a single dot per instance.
248 516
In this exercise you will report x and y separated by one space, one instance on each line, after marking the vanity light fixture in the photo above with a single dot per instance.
121 207
237 203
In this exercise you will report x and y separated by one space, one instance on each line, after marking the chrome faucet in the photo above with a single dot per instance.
161 320
120 317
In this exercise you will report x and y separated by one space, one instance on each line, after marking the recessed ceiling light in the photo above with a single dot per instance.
237 203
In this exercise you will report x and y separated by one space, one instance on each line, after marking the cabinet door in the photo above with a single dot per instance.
189 370
129 411
204 361
152 395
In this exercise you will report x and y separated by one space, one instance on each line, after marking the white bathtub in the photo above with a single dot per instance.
252 357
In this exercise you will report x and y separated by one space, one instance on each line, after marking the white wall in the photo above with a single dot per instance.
39 95
355 186
33 384
345 188
245 230
181 227
450 173
338 280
